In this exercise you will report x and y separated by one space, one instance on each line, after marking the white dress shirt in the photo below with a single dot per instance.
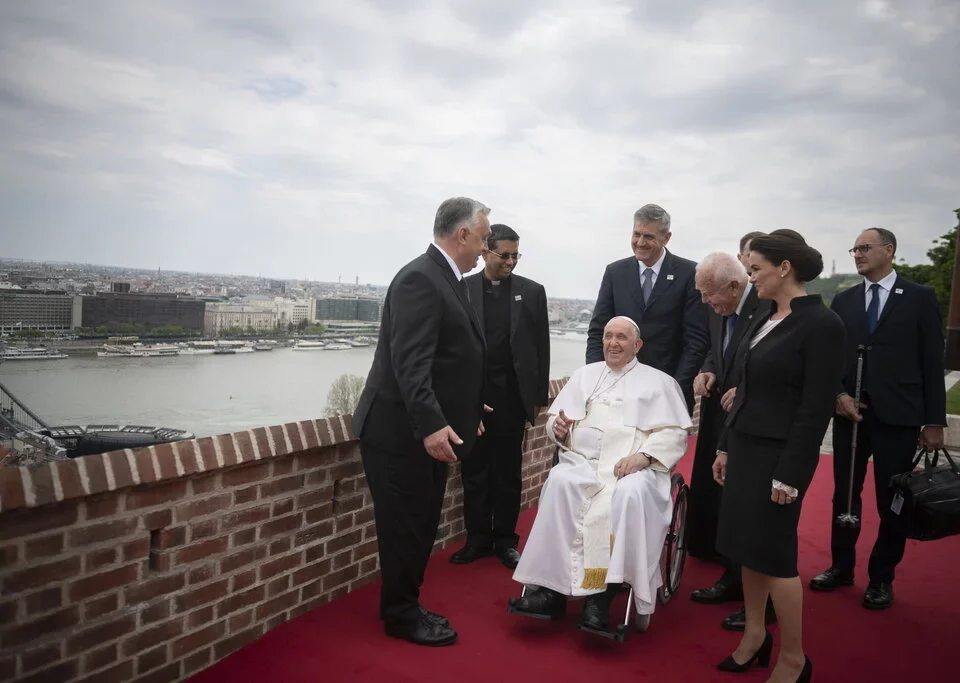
655 267
886 286
453 266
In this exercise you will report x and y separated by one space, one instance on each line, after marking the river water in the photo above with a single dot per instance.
207 394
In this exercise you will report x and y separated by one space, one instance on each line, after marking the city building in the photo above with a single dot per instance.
361 309
224 316
46 310
149 310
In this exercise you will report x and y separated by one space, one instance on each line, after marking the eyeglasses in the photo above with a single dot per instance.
863 249
505 257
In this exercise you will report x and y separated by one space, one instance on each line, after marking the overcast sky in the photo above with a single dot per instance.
313 138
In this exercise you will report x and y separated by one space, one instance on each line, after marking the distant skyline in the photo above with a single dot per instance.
317 139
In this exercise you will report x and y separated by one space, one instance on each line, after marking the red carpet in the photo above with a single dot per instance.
343 641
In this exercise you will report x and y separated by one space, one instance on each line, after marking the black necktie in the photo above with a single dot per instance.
466 289
873 308
731 324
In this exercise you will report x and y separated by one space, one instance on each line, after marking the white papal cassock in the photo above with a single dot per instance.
592 529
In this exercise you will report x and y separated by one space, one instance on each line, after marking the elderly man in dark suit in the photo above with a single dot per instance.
656 289
903 403
723 283
513 313
421 409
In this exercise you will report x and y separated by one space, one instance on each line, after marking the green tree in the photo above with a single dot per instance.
344 394
939 273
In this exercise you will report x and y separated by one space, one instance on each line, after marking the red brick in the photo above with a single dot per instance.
326 435
246 475
105 505
321 513
120 672
170 538
312 571
201 574
100 607
46 600
339 543
244 518
281 546
45 574
160 494
197 661
282 507
41 656
96 473
98 559
121 469
9 555
241 601
104 633
225 647
11 489
279 443
283 564
308 605
363 516
242 558
316 497
283 525
238 622
152 588
208 455
167 674
369 565
97 659
247 495
101 583
281 486
22 634
156 612
136 550
201 508
152 659
144 464
319 458
145 639
227 450
244 537
346 470
103 531
201 596
199 617
341 576
204 529
367 549
350 504
314 553
199 551
23 522
282 466
8 612
294 433
243 580
243 452
198 639
158 519
341 560
278 586
44 546
276 605
166 459
64 671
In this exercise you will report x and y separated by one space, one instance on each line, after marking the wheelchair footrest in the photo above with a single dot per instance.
533 615
619 633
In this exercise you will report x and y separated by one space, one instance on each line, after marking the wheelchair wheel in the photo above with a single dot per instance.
674 555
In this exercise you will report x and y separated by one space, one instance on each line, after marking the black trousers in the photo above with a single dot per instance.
893 448
407 487
492 482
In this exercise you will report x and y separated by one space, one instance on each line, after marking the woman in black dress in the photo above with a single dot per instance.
770 446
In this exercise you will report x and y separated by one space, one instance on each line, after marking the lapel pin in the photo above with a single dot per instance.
670 276
518 297
898 291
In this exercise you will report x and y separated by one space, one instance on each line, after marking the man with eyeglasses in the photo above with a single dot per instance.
513 314
903 403
656 289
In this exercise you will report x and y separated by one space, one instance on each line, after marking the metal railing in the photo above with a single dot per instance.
14 411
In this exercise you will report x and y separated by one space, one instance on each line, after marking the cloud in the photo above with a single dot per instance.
316 139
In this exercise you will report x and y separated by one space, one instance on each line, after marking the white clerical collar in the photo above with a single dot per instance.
453 265
886 283
656 266
743 298
626 368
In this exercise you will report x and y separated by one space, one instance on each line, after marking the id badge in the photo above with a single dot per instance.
897 503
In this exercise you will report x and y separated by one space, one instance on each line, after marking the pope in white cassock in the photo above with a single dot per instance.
605 508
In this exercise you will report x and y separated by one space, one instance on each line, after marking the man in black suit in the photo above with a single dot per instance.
724 286
903 403
421 409
513 313
656 289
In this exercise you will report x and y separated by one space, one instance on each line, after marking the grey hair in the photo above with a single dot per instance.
886 237
629 320
719 268
455 212
651 213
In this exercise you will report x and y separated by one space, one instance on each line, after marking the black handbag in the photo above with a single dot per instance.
927 501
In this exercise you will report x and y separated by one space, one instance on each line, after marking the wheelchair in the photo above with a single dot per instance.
673 557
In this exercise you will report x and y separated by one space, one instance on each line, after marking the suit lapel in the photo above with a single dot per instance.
475 286
458 288
859 313
664 279
516 304
892 300
635 289
716 334
746 316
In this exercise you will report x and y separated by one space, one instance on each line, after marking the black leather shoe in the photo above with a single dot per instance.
878 596
831 579
540 602
761 657
471 552
422 632
510 557
717 593
738 620
433 617
596 612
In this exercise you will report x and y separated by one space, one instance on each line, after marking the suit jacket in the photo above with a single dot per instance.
903 358
722 364
529 337
673 323
429 367
787 392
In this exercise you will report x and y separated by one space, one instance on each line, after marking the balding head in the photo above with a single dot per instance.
621 342
721 280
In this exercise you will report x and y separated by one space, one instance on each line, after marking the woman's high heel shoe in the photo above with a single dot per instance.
761 656
807 672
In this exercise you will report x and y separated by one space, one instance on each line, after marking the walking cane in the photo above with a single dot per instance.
848 519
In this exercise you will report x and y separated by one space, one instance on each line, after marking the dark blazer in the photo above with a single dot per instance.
728 373
673 323
529 337
903 358
429 367
788 389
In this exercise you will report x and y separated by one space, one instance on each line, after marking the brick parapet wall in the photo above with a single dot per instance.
152 564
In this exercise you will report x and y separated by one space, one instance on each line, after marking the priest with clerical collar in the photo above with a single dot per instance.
605 508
